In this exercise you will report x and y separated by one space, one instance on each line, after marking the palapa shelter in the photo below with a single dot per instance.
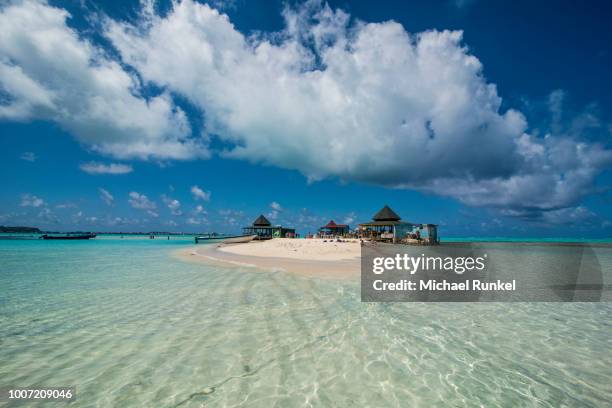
386 225
264 229
331 228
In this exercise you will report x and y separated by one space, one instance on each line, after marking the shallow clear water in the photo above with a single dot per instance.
128 324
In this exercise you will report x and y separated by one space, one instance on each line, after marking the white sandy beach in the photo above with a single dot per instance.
309 257
306 249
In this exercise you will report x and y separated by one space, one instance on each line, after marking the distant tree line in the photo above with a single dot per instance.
32 230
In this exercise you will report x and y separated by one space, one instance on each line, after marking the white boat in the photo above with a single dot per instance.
232 239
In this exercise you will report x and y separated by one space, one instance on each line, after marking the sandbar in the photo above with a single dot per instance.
317 258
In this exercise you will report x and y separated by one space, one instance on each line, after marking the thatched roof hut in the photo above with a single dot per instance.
264 229
261 221
387 225
386 214
385 217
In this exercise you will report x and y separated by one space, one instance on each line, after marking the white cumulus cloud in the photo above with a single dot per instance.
28 156
49 71
276 208
141 202
103 168
367 102
30 200
199 194
196 220
172 204
381 107
106 196
350 218
328 96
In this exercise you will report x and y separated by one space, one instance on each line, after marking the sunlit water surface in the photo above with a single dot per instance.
129 324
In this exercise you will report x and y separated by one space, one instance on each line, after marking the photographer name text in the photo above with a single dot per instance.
443 285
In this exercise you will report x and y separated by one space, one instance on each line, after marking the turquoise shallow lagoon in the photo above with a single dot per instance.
129 324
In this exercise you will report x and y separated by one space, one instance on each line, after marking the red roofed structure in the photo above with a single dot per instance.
331 225
331 228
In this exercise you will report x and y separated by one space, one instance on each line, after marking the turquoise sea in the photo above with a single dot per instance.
131 325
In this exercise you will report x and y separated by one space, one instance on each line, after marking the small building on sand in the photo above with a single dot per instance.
386 225
333 229
264 229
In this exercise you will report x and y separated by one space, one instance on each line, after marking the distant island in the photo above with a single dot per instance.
31 230
34 230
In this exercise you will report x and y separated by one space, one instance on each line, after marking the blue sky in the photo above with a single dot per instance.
489 118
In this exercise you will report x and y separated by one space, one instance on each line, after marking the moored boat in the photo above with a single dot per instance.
69 236
232 239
